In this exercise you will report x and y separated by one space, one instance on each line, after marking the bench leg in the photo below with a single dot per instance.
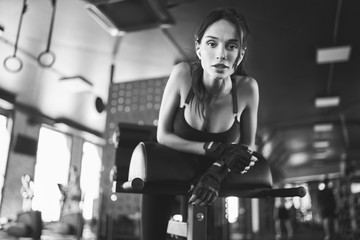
197 223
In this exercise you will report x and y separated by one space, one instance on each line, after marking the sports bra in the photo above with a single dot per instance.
183 129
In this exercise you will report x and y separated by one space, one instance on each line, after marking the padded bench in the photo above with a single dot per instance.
157 169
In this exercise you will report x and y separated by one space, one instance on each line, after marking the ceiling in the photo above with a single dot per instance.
285 36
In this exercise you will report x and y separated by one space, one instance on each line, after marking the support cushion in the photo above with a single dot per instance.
157 164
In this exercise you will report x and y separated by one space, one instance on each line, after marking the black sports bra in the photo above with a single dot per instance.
184 130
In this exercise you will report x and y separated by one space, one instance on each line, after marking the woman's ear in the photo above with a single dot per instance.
242 53
197 49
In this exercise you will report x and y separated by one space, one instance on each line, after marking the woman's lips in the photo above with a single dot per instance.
219 67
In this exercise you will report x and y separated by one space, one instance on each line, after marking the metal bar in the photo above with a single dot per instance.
197 223
138 185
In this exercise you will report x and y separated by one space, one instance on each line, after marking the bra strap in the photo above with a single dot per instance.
234 96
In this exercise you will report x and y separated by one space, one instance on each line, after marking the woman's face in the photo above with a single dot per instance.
218 50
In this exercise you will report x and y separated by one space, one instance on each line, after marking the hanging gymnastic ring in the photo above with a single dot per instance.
8 62
46 58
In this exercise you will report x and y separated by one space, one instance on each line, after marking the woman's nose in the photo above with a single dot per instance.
221 53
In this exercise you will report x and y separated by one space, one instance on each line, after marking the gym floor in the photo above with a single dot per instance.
87 235
302 233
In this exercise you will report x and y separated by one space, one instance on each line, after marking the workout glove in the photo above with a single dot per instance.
206 190
235 157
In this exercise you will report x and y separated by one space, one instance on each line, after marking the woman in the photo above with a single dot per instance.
209 108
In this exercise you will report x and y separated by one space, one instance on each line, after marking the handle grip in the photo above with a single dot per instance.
288 192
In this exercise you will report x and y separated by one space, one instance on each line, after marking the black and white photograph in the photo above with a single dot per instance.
179 120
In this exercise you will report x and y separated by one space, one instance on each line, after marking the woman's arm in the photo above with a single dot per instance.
249 115
178 81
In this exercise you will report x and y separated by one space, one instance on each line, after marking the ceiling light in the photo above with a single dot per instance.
298 158
321 144
6 105
103 21
321 155
333 54
323 127
7 99
331 101
76 83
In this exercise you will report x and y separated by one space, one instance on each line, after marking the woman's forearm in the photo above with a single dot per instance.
181 144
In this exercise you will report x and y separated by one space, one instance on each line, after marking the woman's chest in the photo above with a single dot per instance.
219 116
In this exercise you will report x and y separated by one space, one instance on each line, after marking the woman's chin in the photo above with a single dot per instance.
222 74
218 76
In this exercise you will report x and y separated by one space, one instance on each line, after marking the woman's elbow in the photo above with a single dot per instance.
160 137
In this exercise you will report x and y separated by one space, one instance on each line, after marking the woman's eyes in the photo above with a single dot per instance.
211 43
232 46
229 46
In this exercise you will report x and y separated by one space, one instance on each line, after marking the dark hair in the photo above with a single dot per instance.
243 32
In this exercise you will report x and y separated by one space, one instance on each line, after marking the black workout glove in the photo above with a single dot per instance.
215 149
206 190
239 158
235 157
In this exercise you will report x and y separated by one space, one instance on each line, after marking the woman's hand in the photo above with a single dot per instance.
235 157
206 190
239 158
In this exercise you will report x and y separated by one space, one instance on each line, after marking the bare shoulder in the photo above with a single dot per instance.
247 85
181 69
180 78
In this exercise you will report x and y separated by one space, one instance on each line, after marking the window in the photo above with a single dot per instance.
51 169
90 179
5 133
